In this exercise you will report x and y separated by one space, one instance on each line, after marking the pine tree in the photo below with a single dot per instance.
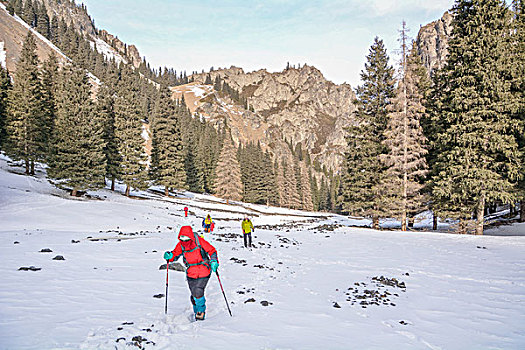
229 184
77 160
280 184
10 7
18 6
478 159
49 77
29 14
307 202
5 87
106 113
128 131
26 120
167 155
42 22
516 67
54 30
191 132
362 177
403 181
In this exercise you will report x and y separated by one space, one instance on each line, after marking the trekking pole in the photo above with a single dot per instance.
226 300
167 269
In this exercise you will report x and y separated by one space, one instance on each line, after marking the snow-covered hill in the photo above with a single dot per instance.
313 282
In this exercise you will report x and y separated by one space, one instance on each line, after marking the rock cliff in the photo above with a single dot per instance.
296 105
432 42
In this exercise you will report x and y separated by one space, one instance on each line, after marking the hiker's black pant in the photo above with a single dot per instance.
197 286
248 239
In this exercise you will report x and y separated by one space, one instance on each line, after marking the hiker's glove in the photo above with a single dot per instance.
214 265
168 255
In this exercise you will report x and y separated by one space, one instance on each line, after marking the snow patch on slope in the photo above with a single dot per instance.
2 55
108 52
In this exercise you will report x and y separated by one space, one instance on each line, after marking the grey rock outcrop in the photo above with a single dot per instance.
432 42
296 105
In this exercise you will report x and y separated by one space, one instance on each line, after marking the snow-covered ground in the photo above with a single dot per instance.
312 271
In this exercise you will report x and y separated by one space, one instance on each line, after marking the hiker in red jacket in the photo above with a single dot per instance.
200 258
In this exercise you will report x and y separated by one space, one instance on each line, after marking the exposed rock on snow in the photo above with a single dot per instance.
30 268
175 266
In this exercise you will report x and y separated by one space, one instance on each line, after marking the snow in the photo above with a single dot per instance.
462 292
2 55
36 33
108 52
198 91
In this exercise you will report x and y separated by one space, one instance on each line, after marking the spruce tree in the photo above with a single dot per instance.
228 184
49 77
5 87
362 190
280 184
26 120
167 154
307 203
128 131
106 113
18 6
403 181
478 159
42 22
78 160
10 7
516 67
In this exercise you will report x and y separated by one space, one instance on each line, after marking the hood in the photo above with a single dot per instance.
188 232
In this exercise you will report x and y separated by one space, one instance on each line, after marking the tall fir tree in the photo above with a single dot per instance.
5 87
42 21
516 67
478 159
307 203
26 118
106 112
364 171
228 184
49 77
167 154
128 131
78 160
404 139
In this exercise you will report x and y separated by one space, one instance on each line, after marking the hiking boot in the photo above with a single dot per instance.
199 316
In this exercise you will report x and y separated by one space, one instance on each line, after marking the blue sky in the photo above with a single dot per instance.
333 35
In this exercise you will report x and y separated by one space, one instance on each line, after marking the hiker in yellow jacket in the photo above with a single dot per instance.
247 229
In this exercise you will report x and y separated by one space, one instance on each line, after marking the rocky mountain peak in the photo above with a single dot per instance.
432 42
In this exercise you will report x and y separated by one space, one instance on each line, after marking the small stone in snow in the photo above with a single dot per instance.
337 306
73 241
16 242
158 296
121 338
251 300
46 250
30 268
59 257
265 303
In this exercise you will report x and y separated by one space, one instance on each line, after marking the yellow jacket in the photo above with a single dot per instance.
247 226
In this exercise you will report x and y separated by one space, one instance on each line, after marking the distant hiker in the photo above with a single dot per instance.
247 229
200 258
207 224
185 211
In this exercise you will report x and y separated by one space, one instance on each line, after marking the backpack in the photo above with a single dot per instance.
204 254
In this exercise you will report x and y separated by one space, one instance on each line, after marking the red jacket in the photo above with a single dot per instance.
196 266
